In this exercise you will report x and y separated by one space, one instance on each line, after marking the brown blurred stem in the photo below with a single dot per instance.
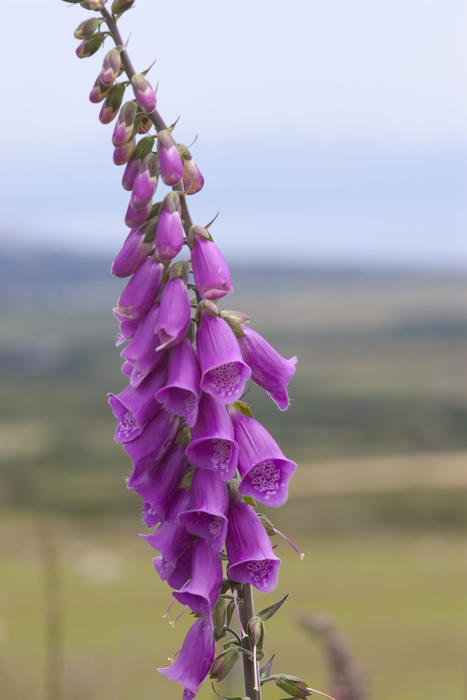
53 624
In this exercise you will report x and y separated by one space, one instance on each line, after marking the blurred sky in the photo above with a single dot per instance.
329 131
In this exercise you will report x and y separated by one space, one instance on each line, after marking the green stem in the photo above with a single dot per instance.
250 673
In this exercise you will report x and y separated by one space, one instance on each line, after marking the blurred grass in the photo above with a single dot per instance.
377 426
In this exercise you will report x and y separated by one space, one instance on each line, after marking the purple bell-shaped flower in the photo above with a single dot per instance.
269 370
140 291
158 486
223 371
174 314
206 517
171 538
206 580
153 443
176 573
170 159
251 556
132 254
180 394
213 444
195 658
145 182
141 351
133 408
212 276
264 469
169 233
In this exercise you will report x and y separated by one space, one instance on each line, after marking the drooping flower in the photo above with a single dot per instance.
124 127
135 218
212 276
130 173
144 93
251 556
206 516
180 394
223 371
123 153
111 67
132 254
151 446
195 658
206 580
169 233
159 485
269 370
145 182
140 291
133 408
174 314
193 180
213 444
141 351
176 573
264 468
170 160
171 538
113 101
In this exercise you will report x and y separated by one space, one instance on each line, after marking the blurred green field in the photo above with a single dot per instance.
377 426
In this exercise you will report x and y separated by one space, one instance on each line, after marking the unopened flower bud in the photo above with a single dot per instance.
170 160
145 182
255 631
121 6
124 127
98 92
193 180
87 28
89 46
169 235
297 687
111 67
96 4
212 276
223 664
144 93
144 125
130 173
112 104
122 154
135 218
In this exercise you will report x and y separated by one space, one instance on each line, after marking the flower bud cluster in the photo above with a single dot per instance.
199 458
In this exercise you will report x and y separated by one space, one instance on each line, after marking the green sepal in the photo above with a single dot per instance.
265 671
187 479
243 408
271 610
144 147
250 500
218 618
225 697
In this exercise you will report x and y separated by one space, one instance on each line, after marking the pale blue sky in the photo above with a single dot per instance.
328 130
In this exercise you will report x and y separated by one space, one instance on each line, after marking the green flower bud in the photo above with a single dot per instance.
89 46
223 664
87 28
297 687
255 629
121 6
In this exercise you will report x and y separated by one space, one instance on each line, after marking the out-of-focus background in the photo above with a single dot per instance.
333 140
